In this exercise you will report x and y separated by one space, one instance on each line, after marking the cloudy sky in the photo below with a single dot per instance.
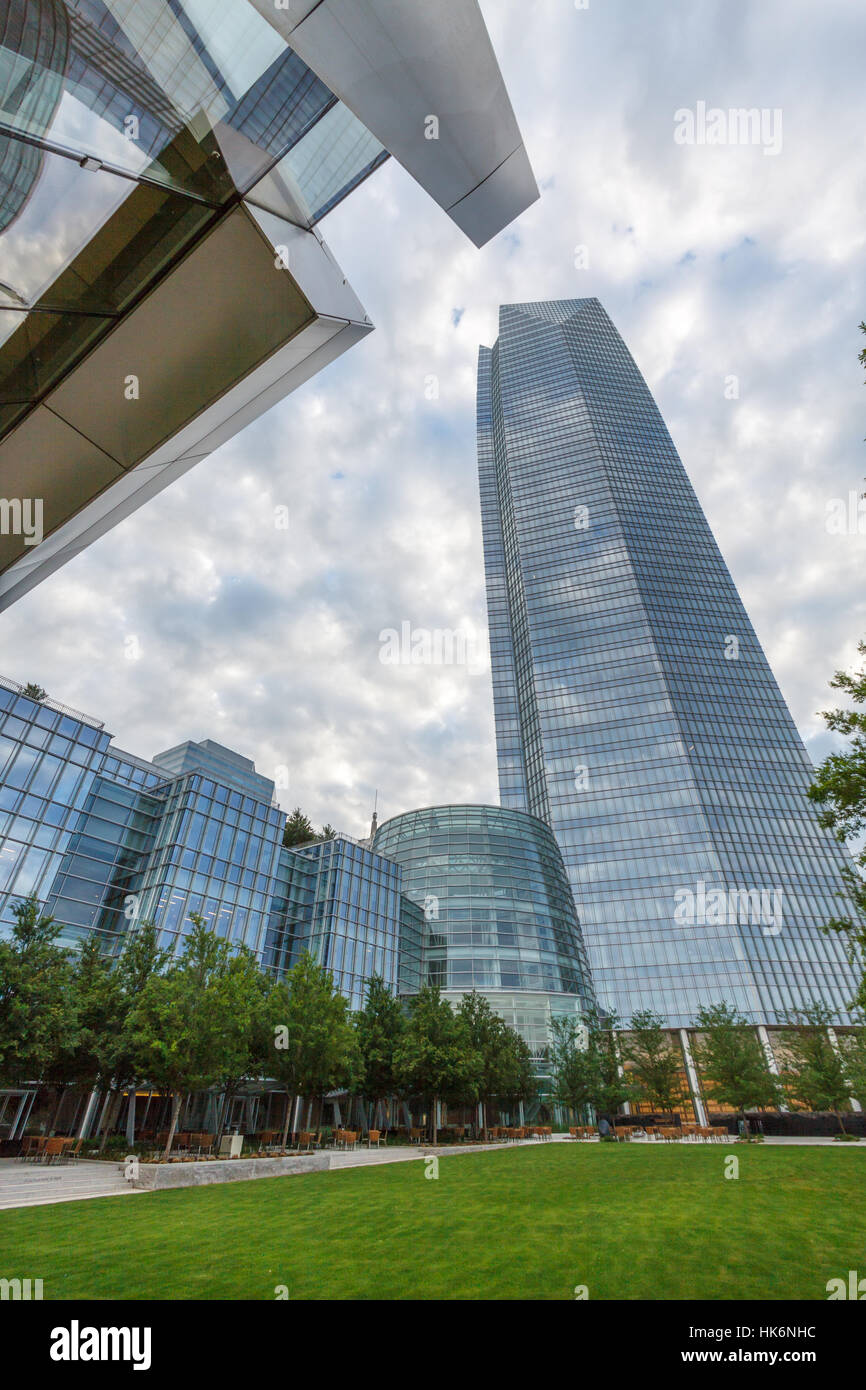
198 618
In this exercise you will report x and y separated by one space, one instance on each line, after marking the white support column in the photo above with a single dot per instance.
23 1115
84 1127
130 1117
771 1059
834 1043
692 1074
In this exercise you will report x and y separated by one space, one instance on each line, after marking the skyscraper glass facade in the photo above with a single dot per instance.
635 710
499 914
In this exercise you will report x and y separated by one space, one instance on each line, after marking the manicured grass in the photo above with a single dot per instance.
627 1221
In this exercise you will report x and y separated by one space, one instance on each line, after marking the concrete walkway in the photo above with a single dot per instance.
360 1158
32 1184
812 1139
39 1184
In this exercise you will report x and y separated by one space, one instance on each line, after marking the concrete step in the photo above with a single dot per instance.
25 1185
365 1158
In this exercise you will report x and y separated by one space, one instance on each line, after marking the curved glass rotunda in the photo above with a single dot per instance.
499 911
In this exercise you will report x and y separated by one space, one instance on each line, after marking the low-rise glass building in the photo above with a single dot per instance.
105 838
499 912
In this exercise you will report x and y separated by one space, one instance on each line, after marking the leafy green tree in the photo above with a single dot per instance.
839 790
140 959
587 1066
574 1072
35 692
240 996
853 1047
313 1043
730 1057
816 1074
181 1031
284 1046
435 1057
328 832
513 1075
298 829
37 1013
84 1058
379 1026
505 1070
652 1063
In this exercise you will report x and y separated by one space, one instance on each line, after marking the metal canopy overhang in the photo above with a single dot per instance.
228 331
395 63
226 335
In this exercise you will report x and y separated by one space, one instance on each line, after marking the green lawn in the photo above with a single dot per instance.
627 1221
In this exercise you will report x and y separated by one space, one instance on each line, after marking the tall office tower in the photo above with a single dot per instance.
635 710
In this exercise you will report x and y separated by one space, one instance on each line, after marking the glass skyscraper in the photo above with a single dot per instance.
635 710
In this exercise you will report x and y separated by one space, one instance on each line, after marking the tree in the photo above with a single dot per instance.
614 1087
328 832
505 1067
816 1073
181 1031
435 1058
653 1064
839 789
37 1014
140 960
853 1047
586 1065
574 1072
298 830
313 1045
240 995
379 1026
35 692
730 1057
514 1076
85 1057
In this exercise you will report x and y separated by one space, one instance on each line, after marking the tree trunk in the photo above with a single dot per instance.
435 1118
841 1121
176 1098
